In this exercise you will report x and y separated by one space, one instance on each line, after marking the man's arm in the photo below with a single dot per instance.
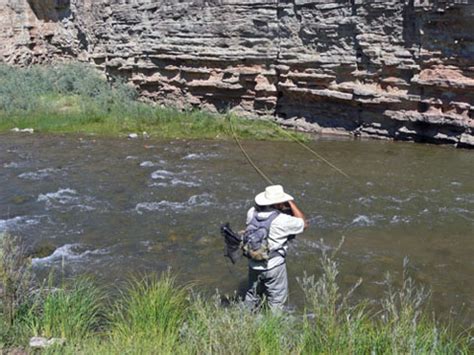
298 213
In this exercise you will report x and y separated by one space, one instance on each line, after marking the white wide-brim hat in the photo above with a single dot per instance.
272 195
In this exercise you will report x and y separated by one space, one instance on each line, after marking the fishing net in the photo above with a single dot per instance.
233 243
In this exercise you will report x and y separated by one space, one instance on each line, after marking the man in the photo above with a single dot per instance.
271 274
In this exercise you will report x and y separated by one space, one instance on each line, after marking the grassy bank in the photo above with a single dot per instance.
154 315
76 99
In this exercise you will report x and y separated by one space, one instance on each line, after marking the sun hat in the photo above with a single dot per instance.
272 195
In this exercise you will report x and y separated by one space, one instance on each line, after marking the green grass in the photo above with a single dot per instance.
74 98
154 315
152 312
72 311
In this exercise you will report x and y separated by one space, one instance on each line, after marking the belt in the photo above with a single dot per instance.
275 253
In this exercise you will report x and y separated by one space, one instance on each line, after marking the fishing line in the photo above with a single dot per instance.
295 139
249 159
312 151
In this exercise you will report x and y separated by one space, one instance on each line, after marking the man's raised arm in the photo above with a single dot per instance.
298 213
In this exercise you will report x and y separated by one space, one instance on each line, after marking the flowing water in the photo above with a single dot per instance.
113 207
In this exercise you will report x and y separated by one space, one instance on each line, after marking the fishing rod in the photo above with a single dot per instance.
234 240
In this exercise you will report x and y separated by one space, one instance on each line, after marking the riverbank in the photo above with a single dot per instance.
74 98
153 314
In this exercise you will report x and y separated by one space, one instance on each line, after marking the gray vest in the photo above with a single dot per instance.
255 239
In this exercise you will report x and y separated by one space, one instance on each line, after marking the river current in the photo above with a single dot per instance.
115 207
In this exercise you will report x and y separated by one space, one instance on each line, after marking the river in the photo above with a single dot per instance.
114 207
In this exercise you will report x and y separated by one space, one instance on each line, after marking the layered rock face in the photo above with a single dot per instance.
400 69
36 31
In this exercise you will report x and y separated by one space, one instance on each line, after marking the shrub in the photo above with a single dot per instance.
22 90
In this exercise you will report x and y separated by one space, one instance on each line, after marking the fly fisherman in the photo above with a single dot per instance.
269 273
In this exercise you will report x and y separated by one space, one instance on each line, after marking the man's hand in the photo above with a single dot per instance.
298 213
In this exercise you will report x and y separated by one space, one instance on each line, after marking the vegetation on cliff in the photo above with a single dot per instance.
74 98
155 315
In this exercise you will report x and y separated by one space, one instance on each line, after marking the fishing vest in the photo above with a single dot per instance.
255 239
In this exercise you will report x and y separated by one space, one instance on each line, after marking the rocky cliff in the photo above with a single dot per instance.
399 69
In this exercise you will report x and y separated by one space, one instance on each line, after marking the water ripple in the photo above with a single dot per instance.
68 199
201 200
17 222
68 252
39 174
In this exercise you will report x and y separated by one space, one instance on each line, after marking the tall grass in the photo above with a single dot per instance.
72 311
401 325
76 98
15 277
150 312
154 315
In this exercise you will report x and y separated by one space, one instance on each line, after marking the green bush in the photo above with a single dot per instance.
22 89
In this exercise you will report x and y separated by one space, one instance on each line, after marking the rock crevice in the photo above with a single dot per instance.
379 68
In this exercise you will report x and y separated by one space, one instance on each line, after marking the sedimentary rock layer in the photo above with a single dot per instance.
400 69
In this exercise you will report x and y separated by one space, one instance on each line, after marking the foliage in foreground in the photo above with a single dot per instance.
76 98
155 315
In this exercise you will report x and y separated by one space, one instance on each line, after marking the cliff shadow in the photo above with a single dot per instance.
50 10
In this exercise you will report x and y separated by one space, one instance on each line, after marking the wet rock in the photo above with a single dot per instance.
20 199
42 250
466 140
15 351
24 130
43 343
